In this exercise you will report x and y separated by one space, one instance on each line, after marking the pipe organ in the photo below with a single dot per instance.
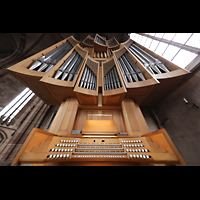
100 85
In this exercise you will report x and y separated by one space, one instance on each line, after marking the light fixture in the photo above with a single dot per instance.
99 136
186 101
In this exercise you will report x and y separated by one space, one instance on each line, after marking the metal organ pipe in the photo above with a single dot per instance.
149 61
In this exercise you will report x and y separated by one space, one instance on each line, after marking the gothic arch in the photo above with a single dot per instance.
3 137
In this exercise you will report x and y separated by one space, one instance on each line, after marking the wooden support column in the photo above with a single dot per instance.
134 120
64 120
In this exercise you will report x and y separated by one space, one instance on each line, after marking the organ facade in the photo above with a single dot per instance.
100 85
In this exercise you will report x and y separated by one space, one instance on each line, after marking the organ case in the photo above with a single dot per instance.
89 94
166 80
62 89
135 90
98 68
31 78
112 96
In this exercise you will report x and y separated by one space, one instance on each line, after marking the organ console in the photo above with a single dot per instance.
43 147
100 85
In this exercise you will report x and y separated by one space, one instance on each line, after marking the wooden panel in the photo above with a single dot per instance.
63 122
99 126
160 90
85 44
113 47
115 115
34 139
99 47
162 138
133 118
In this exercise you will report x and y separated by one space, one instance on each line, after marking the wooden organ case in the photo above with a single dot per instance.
100 85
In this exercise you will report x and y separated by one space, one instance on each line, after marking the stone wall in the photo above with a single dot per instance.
182 121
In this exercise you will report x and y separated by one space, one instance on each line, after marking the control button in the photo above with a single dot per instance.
49 156
66 140
55 149
61 140
62 150
134 156
135 145
61 155
144 156
136 150
141 156
139 140
57 145
127 150
147 156
130 155
133 150
69 145
139 150
71 149
64 155
122 141
130 150
129 145
138 145
54 155
146 150
136 141
124 145
67 155
59 149
131 141
52 149
142 150
60 145
74 145
137 156
57 156
141 145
